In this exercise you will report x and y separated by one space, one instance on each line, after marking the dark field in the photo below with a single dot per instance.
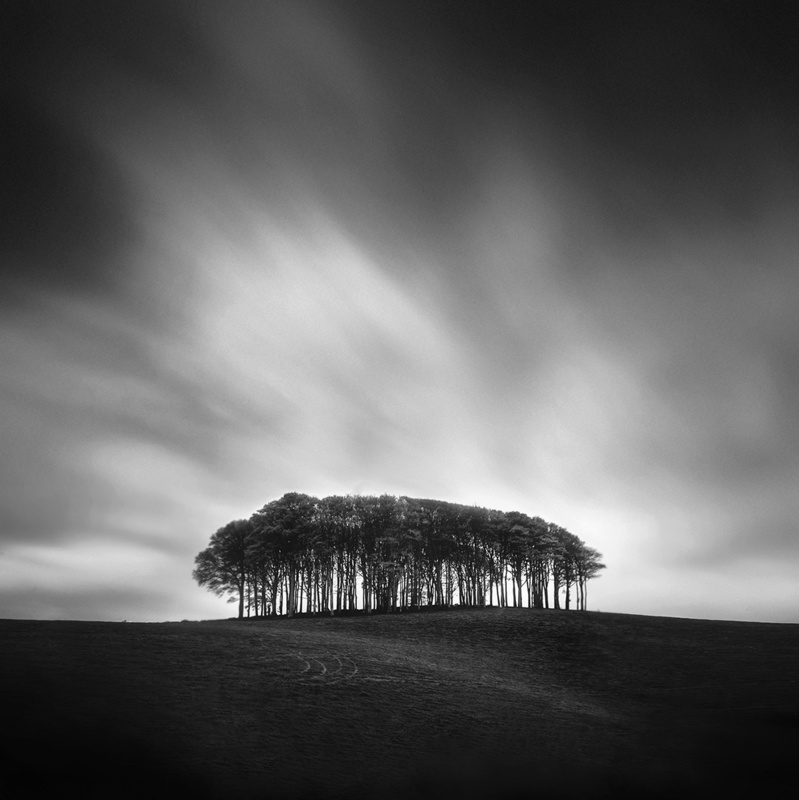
489 703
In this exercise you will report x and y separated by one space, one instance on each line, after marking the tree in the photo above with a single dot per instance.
223 565
289 523
588 565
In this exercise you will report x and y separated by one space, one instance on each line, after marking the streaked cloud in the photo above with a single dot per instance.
537 264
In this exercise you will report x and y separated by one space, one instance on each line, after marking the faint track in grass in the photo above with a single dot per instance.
314 668
389 666
330 668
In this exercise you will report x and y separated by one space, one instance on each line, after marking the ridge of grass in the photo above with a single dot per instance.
475 702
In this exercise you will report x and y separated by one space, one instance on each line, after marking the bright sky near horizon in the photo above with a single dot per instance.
532 256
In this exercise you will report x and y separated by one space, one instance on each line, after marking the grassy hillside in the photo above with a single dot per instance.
483 702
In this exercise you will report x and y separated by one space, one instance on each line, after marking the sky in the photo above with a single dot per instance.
530 256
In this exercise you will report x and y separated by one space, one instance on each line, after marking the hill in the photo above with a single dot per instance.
488 702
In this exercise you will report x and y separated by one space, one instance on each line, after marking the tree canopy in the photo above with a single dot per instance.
300 554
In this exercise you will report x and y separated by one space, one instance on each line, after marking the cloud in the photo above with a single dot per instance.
527 258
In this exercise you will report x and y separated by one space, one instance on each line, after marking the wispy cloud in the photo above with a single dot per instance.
316 247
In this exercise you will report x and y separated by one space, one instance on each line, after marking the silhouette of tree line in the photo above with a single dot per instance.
340 554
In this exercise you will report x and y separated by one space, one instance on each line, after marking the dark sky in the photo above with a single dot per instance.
534 256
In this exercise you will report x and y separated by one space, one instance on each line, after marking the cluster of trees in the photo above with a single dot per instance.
300 554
